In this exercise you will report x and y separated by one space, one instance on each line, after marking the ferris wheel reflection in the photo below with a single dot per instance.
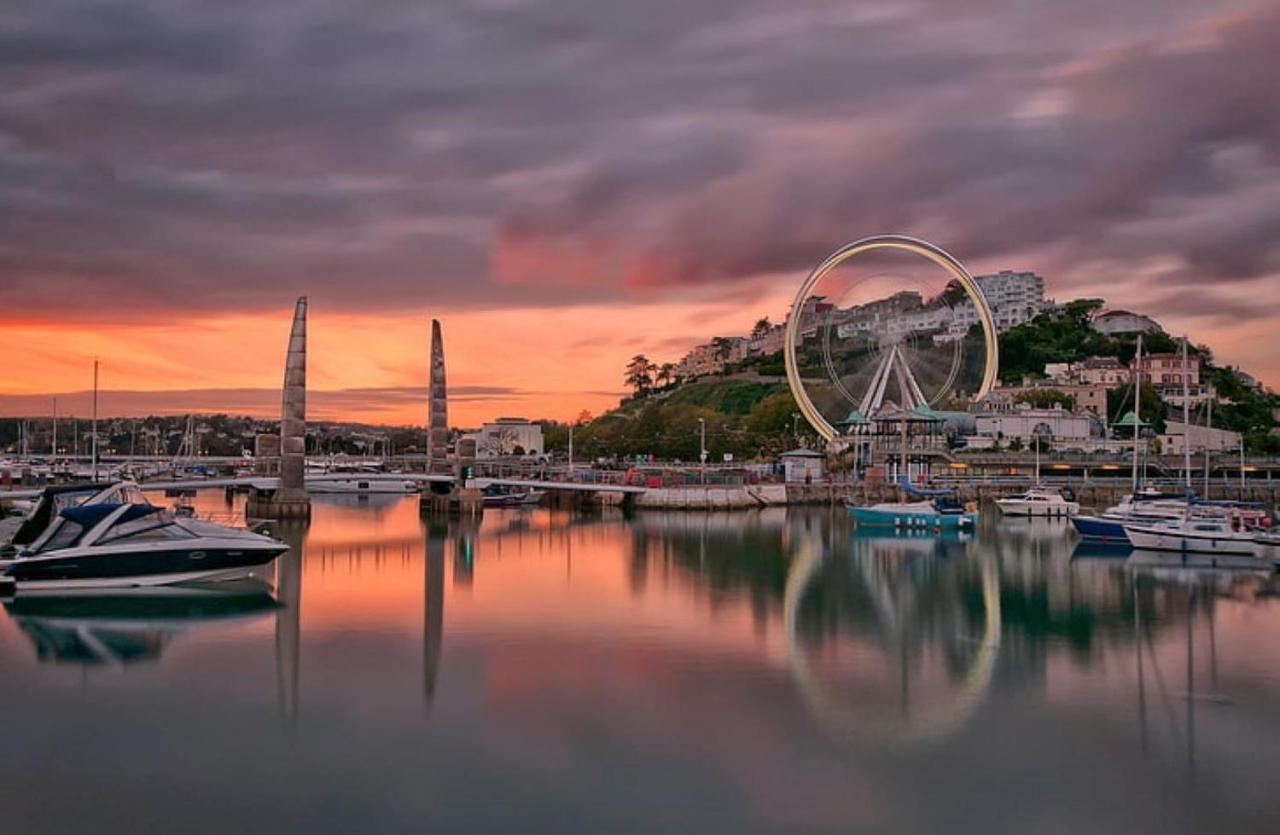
897 644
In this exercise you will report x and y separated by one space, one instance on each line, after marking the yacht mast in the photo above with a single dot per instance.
95 420
1186 416
1137 408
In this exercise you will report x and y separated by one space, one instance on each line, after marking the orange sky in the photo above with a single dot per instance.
551 362
557 361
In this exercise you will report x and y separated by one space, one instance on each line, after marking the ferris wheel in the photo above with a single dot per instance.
887 325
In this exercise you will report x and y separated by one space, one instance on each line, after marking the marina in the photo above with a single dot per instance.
472 656
544 417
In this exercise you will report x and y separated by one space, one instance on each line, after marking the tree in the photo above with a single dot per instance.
762 328
584 417
666 373
639 374
1046 398
501 441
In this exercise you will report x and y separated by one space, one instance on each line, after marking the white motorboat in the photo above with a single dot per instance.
361 485
1194 535
1038 502
109 536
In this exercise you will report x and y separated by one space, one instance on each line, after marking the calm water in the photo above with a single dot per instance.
541 672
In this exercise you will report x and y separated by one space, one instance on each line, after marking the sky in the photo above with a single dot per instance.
565 183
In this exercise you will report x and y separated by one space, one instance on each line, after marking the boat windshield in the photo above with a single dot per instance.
152 524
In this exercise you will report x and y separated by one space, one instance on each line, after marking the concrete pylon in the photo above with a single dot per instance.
438 407
443 497
290 500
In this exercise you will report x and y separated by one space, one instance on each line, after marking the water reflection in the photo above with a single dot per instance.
126 626
727 663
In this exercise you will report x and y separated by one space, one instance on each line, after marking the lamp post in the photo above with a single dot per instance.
702 447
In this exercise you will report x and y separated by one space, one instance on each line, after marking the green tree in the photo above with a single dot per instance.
761 328
639 374
1046 398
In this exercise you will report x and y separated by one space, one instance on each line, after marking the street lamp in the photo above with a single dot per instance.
702 447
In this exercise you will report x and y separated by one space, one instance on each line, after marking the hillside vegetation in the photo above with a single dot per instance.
754 418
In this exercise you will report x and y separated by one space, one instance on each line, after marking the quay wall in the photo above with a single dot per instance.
742 497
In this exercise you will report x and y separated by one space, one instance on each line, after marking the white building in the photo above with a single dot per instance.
712 357
803 466
1122 321
1177 436
509 436
1015 298
1058 426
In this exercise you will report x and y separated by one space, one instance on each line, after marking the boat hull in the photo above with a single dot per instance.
1098 529
878 517
139 568
1048 510
1186 542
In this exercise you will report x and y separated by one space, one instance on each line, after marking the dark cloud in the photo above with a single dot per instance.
477 153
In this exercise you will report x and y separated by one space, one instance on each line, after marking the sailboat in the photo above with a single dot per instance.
1140 506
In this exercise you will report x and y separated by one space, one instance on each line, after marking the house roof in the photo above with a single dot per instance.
802 453
1129 420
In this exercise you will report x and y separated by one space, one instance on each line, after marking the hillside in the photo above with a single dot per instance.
745 418
751 414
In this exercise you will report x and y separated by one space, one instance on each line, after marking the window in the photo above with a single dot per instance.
133 528
64 537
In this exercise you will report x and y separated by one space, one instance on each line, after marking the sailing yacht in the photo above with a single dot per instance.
1195 535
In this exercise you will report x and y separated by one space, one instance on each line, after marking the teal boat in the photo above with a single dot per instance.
920 514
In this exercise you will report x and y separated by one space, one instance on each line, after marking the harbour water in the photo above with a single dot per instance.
539 671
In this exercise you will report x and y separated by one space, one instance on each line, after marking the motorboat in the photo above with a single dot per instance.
1037 502
499 496
110 536
361 485
1195 534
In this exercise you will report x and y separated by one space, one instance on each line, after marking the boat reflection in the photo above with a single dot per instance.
119 627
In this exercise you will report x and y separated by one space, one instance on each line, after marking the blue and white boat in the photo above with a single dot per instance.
1141 508
935 509
1151 508
921 514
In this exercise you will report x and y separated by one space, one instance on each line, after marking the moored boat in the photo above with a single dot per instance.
114 538
935 513
1038 502
1194 535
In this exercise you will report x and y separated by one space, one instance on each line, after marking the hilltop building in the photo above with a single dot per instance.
712 357
1165 373
1112 322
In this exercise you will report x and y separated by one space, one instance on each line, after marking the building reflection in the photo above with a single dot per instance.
436 534
288 634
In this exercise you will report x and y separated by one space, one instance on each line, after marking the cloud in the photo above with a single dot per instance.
477 154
